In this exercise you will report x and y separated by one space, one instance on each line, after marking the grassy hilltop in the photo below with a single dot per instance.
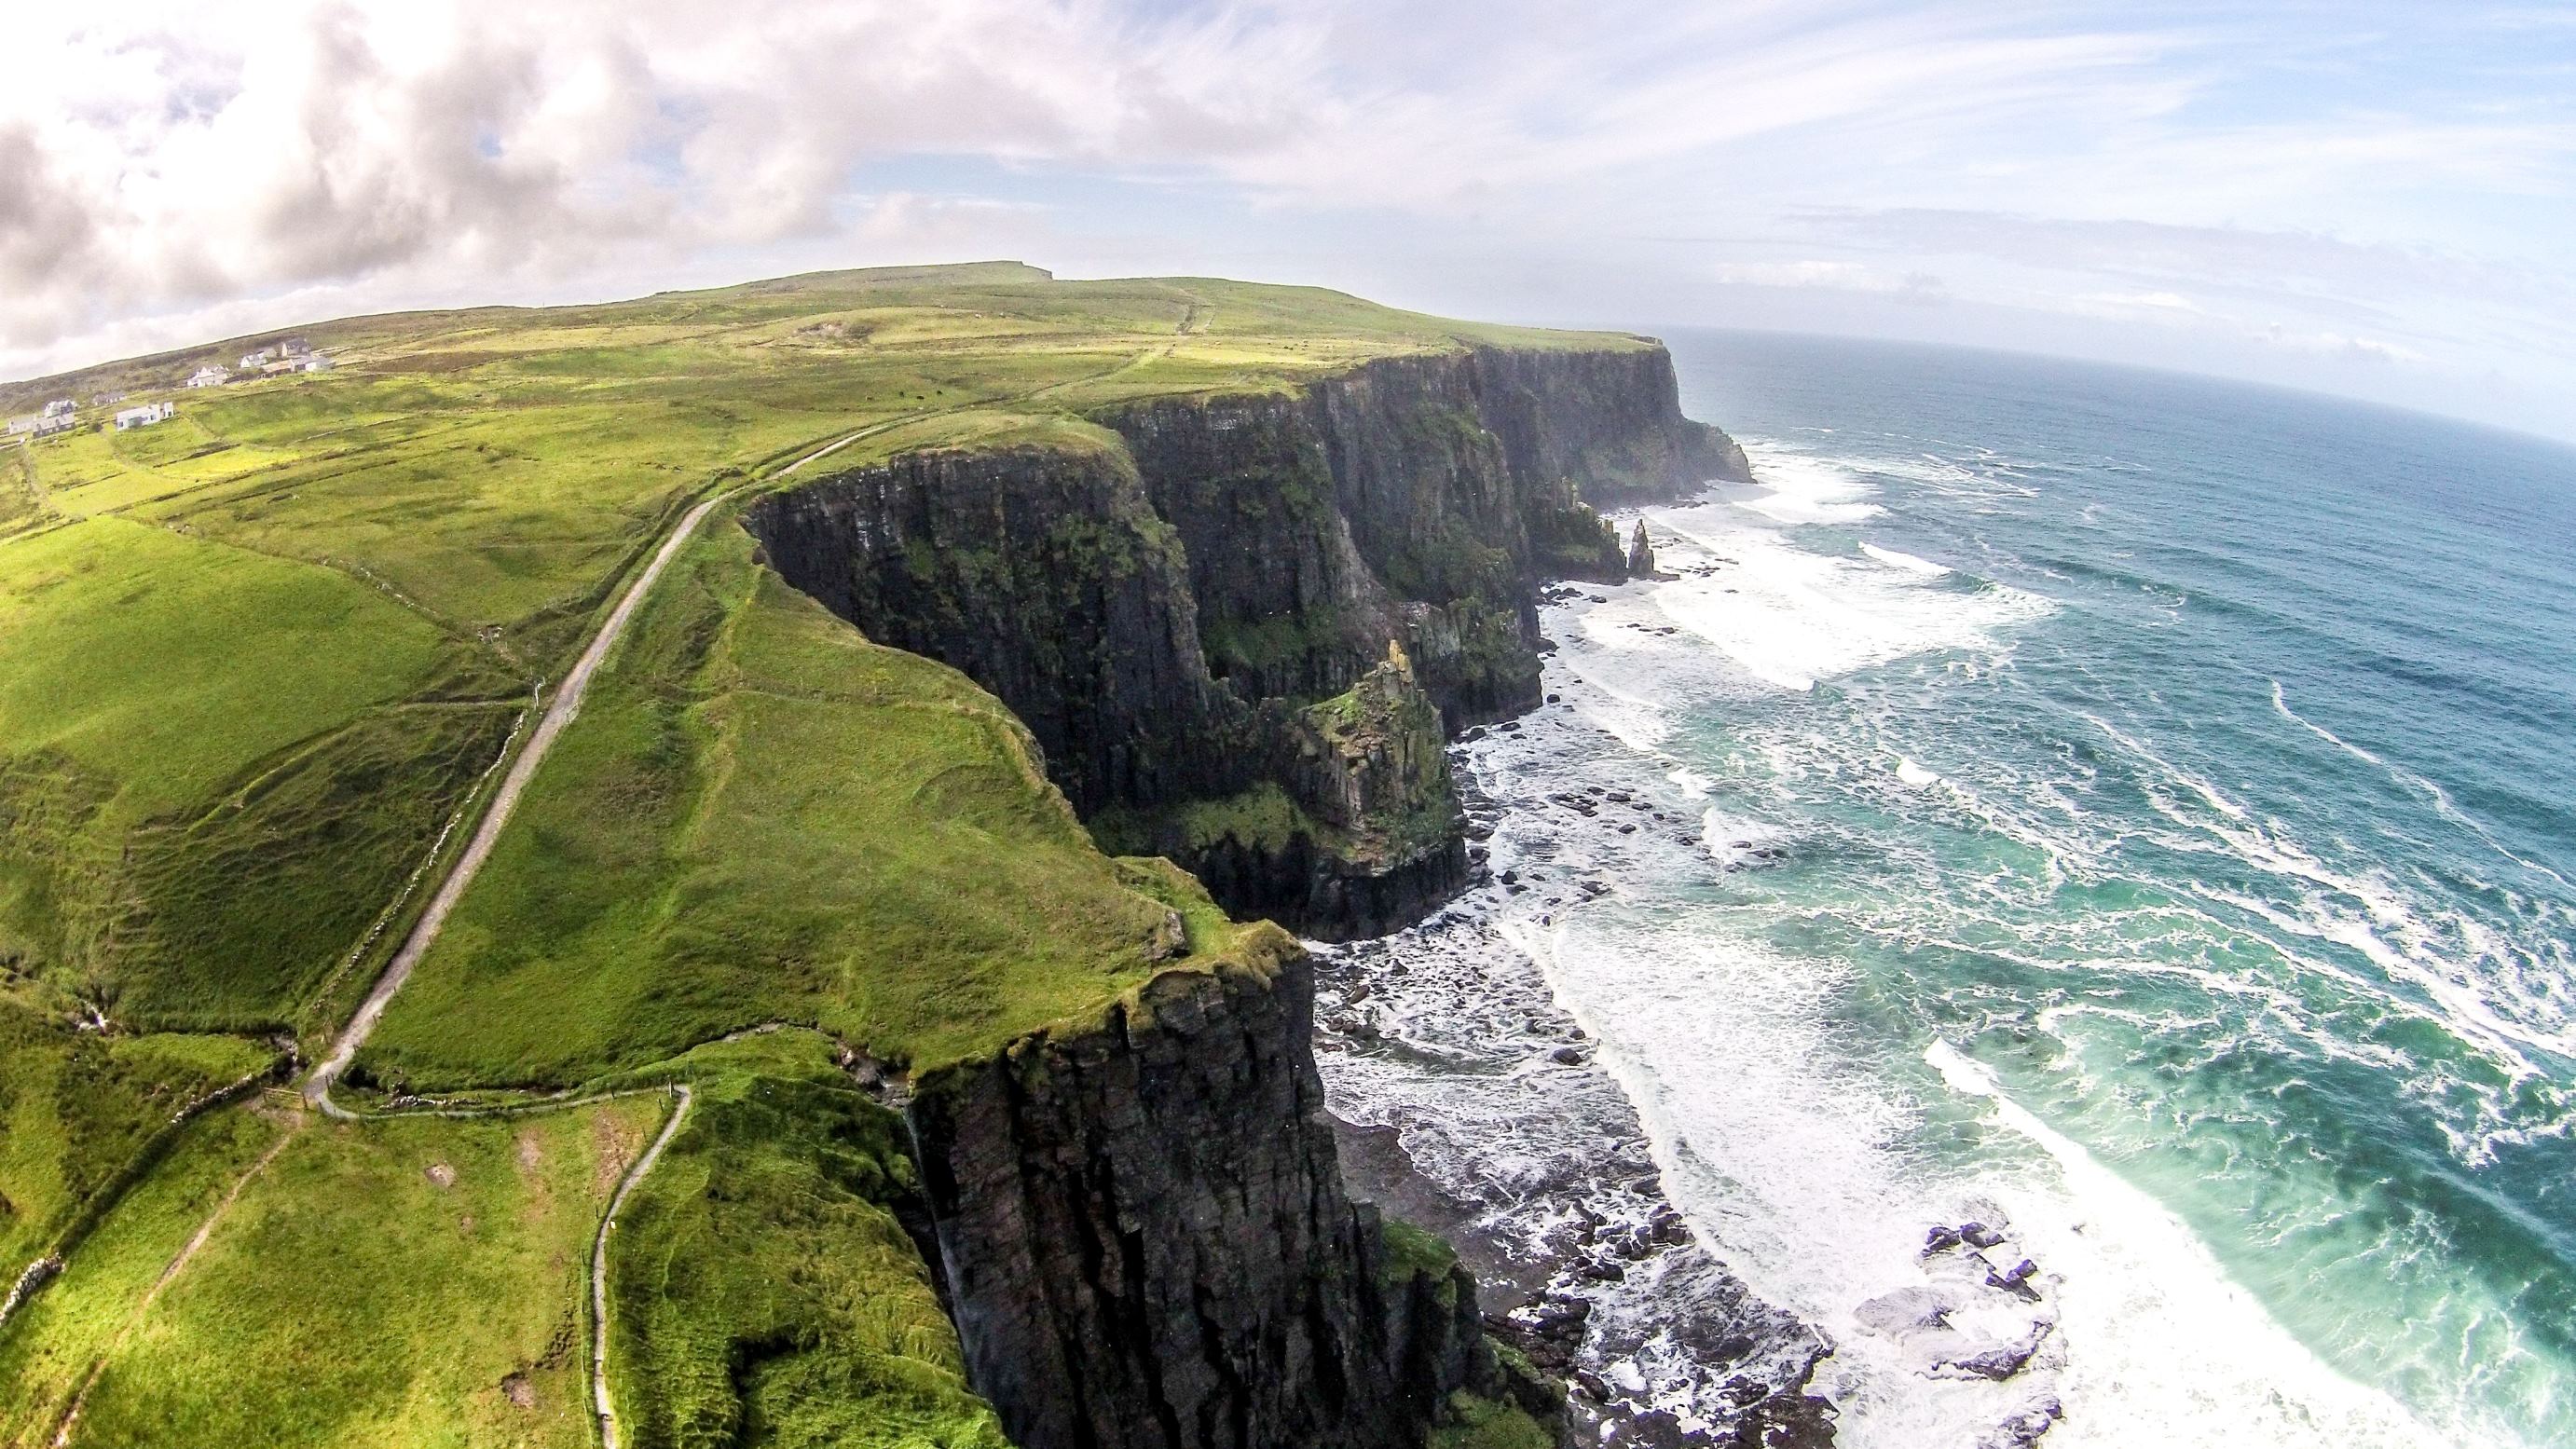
256 665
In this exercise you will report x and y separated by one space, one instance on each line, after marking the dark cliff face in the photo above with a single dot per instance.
1046 577
1160 620
1146 1242
1415 497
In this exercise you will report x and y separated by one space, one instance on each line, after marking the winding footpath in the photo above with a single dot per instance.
505 801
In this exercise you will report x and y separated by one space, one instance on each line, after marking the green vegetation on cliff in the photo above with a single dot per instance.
765 1283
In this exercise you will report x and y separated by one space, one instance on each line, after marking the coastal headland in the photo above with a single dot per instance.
869 1007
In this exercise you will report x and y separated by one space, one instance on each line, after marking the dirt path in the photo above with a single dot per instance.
607 1414
496 817
505 801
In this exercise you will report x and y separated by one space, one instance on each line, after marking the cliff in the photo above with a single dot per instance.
1143 1230
1169 606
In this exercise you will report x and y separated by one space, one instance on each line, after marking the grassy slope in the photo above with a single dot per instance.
92 612
760 816
51 1346
252 660
764 1291
345 1297
74 1106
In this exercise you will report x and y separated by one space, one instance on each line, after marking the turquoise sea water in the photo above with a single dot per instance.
2137 807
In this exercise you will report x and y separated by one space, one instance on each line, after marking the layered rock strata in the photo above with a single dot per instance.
1168 613
1147 1245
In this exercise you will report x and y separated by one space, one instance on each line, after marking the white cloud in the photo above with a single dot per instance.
2146 301
1922 288
2386 183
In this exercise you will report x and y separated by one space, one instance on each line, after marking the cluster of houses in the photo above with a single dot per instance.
292 355
60 415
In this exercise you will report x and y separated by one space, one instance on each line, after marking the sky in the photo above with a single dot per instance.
2375 200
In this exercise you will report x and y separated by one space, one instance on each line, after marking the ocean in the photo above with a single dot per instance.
2133 812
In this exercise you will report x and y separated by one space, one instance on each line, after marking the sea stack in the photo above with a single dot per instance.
1641 554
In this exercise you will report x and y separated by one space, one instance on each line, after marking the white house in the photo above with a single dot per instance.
26 424
52 423
294 347
314 362
146 415
251 360
209 376
60 407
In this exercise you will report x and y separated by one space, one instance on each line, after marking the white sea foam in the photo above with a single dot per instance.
1801 488
2157 1332
1905 561
1768 1123
2431 962
1791 617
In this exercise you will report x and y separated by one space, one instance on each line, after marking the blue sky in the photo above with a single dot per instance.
2366 199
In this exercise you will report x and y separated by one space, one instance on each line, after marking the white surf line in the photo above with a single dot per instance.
606 1412
424 932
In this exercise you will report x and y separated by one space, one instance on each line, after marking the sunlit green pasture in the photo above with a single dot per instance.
761 816
390 1283
75 1106
762 1289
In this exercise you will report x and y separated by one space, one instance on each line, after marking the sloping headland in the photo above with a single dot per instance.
1044 643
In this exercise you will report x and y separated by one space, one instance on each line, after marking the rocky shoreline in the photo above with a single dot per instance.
1471 1100
1535 1166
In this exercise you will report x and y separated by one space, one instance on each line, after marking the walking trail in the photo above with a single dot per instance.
599 1271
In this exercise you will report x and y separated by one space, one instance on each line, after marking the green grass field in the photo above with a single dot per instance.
164 662
76 1106
50 1348
760 816
392 1283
